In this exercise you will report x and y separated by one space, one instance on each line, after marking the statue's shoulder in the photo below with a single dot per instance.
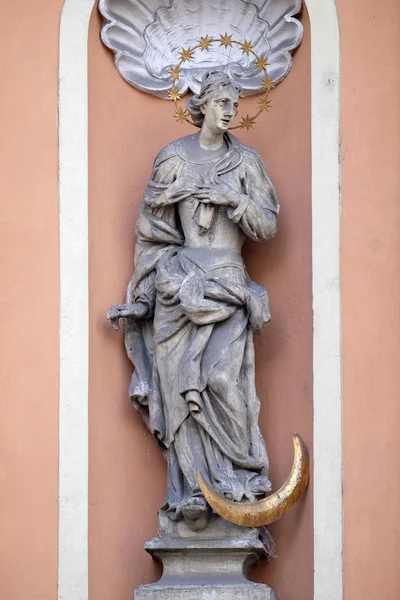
248 154
169 151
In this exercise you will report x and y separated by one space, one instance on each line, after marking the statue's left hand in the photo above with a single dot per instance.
123 311
221 194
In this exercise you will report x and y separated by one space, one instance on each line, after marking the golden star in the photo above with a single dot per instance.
204 43
247 122
226 40
173 94
186 54
181 115
261 62
246 47
264 103
268 84
175 72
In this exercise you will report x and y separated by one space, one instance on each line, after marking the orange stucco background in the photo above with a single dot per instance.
29 293
126 471
370 264
127 482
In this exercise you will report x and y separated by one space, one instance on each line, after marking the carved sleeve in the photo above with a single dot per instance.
258 206
156 230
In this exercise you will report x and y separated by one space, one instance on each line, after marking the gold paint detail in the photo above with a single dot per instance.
273 507
227 41
261 62
264 103
205 42
268 84
246 47
186 54
173 94
181 115
175 73
247 122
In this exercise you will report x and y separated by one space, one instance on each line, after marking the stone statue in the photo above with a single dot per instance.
191 308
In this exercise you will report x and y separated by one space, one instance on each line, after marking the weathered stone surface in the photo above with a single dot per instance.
191 308
248 591
165 25
217 529
191 311
210 564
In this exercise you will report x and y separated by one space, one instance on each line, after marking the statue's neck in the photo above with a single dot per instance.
210 140
189 149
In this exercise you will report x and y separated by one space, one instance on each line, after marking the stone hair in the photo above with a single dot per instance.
212 81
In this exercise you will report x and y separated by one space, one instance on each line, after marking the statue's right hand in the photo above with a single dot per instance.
122 311
185 186
181 189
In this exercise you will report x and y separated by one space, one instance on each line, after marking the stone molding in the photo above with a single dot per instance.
146 39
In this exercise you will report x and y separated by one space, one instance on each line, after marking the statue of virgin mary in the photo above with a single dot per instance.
191 309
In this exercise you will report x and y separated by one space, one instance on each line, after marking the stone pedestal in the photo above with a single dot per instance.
212 564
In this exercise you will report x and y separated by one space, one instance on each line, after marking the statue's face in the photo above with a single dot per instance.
220 109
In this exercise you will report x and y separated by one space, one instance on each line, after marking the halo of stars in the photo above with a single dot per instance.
226 41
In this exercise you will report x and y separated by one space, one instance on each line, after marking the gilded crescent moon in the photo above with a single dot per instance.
271 508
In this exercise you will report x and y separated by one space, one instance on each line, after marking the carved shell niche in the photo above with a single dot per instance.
147 35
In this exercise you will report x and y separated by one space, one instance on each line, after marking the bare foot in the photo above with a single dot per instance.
196 513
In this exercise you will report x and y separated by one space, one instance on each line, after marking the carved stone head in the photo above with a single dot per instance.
217 103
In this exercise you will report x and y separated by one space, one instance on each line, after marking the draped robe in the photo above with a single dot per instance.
193 353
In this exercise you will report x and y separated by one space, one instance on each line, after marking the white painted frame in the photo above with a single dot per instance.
327 369
74 302
74 309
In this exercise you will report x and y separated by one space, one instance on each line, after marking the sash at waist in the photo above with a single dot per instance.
209 259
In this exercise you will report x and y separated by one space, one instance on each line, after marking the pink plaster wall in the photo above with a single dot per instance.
370 259
29 300
127 472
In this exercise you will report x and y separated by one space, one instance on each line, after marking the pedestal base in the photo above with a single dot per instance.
250 591
212 564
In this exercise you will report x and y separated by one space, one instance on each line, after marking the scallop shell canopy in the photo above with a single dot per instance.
146 37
